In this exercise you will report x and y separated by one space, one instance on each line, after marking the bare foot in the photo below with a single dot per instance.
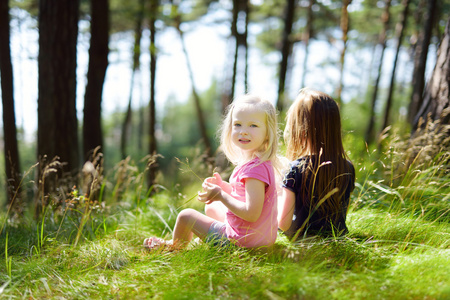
154 243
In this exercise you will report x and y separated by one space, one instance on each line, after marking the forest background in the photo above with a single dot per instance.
350 50
385 62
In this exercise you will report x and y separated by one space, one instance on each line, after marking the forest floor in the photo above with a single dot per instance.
398 248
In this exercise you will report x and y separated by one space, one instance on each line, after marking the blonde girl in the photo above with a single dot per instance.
317 187
244 210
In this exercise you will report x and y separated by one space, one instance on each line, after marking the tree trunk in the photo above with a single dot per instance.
136 65
98 62
11 152
197 102
401 25
436 101
234 33
240 39
420 61
286 50
306 38
154 4
344 29
57 60
370 133
245 42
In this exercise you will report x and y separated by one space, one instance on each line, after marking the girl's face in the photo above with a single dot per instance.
249 130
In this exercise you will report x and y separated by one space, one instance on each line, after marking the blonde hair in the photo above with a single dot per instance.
313 127
269 149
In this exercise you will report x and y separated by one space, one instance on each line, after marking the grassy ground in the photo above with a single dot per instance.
398 248
386 256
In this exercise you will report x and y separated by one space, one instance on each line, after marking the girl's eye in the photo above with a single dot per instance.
237 125
254 125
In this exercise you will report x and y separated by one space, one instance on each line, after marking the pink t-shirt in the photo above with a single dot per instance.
263 232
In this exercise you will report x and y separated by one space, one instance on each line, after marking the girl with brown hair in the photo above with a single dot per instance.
317 187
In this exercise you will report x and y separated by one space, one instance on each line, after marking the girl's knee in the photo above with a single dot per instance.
186 215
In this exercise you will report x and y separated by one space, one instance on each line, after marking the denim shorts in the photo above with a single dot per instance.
217 235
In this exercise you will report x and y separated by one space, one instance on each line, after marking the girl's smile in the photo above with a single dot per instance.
249 130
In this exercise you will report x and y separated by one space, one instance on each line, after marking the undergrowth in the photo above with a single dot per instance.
398 246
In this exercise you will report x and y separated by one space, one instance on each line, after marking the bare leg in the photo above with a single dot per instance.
190 221
216 210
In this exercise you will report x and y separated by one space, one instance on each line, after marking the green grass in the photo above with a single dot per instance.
386 256
398 248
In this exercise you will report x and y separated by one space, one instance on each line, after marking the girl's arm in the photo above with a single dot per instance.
250 210
286 206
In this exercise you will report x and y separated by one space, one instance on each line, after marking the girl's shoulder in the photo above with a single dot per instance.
256 162
300 163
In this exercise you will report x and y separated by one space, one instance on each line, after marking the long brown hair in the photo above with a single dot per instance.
313 127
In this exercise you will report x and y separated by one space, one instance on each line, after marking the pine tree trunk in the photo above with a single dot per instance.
57 122
197 102
306 38
153 168
240 39
286 50
436 100
344 28
245 42
98 62
420 61
235 34
11 152
57 60
370 133
401 25
136 65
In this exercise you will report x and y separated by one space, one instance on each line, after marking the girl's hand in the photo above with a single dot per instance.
216 179
212 192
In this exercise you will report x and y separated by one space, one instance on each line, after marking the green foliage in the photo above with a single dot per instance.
91 248
397 247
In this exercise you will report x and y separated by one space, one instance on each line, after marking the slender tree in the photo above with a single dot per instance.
420 60
245 41
98 62
153 13
57 60
436 100
286 50
344 28
197 102
399 30
307 35
136 66
11 153
385 18
240 34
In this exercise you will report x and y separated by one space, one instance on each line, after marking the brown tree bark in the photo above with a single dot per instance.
436 101
152 144
420 61
11 152
98 62
344 28
385 18
400 27
240 44
307 35
57 60
197 102
286 50
136 65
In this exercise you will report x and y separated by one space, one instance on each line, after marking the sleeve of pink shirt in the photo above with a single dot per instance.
257 170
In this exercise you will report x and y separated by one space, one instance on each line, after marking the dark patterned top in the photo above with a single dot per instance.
318 223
